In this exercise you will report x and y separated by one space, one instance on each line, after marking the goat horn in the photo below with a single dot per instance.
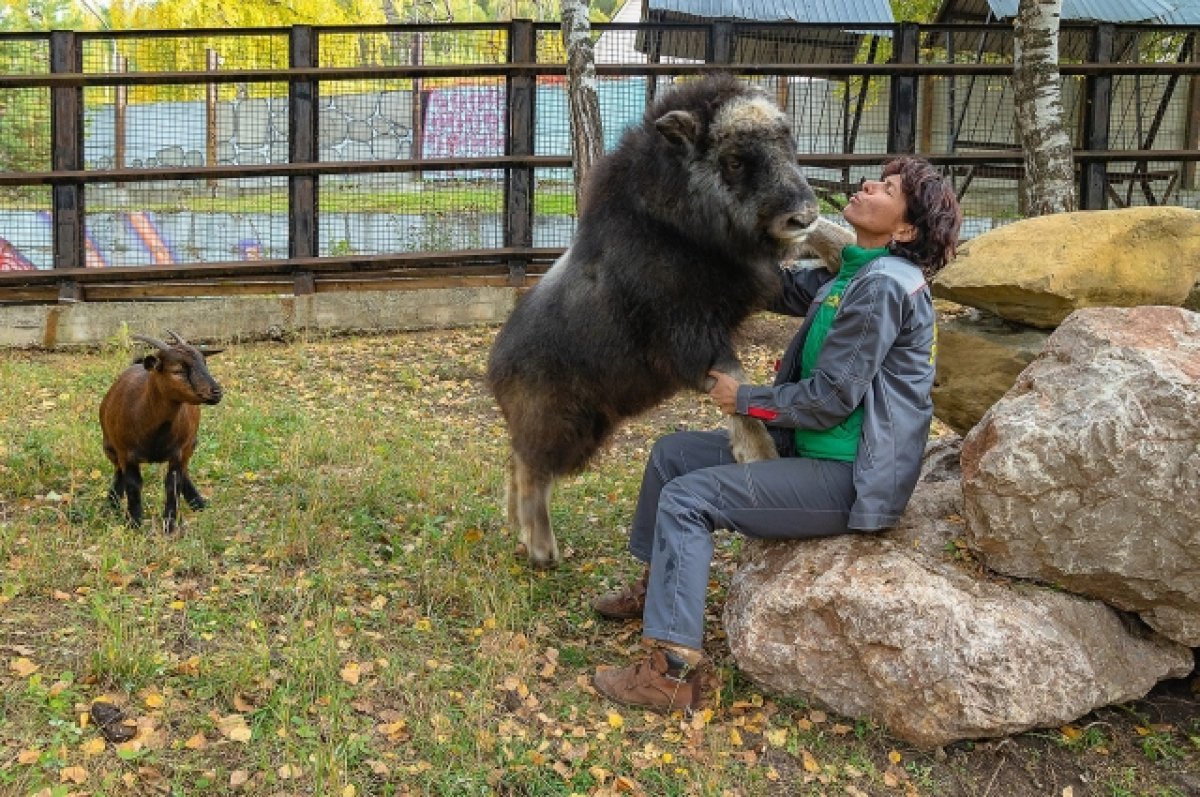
178 339
155 342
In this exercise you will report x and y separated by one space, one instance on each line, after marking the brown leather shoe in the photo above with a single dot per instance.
626 603
650 683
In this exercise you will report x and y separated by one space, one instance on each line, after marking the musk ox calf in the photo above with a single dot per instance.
680 237
151 414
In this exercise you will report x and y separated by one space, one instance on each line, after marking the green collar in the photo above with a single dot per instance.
855 257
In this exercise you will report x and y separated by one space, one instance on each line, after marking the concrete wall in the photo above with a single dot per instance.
234 318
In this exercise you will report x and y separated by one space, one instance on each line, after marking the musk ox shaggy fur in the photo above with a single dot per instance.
682 230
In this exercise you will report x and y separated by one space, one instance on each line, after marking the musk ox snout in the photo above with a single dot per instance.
791 225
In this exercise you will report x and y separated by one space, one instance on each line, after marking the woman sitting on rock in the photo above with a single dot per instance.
850 410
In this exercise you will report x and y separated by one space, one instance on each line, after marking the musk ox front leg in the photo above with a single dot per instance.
529 500
826 240
748 437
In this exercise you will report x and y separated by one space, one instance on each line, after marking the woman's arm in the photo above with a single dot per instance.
798 286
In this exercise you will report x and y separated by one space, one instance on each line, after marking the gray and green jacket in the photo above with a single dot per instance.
880 352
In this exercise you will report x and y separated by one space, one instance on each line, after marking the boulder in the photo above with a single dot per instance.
1037 271
979 356
1086 474
901 628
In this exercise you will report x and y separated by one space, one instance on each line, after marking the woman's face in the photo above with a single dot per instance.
877 213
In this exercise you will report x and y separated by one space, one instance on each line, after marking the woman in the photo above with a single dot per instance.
850 411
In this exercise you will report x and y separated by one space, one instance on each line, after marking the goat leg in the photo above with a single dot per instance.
133 490
190 493
116 492
171 487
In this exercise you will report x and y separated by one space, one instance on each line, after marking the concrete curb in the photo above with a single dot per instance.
236 318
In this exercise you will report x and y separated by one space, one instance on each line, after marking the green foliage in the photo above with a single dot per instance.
915 10
28 15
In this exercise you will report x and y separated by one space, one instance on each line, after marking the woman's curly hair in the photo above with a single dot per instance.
932 208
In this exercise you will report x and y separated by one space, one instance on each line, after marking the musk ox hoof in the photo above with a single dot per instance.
546 562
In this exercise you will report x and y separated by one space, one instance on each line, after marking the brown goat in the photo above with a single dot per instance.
151 414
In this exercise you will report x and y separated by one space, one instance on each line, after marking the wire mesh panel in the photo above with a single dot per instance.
168 126
185 124
435 211
412 119
975 113
175 222
25 233
1154 112
437 116
554 215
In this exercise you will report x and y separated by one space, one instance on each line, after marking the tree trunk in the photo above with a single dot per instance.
587 135
1037 88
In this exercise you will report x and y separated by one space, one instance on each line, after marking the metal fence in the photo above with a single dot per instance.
141 163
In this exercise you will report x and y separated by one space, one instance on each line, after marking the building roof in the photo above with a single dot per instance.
1074 44
759 46
1171 12
811 11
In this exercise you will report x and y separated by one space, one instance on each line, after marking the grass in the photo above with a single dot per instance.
346 618
428 198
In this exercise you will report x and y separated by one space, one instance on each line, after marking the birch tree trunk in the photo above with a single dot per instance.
583 101
1037 89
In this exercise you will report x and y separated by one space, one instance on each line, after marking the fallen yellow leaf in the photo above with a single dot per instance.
93 746
196 742
238 778
23 667
810 762
76 775
351 673
154 700
28 756
289 771
894 757
234 727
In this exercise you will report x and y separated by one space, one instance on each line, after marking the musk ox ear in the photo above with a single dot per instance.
679 127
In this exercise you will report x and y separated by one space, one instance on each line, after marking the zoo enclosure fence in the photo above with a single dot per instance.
188 162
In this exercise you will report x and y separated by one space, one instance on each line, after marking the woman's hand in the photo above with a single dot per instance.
724 392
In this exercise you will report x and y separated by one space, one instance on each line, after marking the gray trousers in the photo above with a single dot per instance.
693 485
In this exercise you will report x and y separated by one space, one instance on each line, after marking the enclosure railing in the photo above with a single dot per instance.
182 162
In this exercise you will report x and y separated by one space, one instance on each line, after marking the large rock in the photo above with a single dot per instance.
979 357
1086 474
1037 271
896 627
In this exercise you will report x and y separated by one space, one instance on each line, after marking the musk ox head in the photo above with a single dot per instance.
735 162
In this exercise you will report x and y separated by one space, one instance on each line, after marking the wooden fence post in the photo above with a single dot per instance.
302 145
721 45
902 96
1093 176
518 181
66 152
